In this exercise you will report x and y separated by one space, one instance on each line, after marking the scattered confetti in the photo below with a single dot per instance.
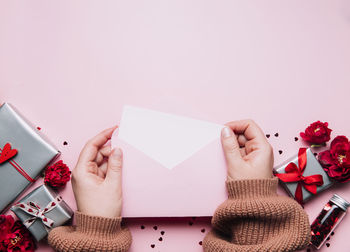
267 135
155 227
142 227
296 139
203 230
276 134
280 152
327 244
160 239
190 223
153 245
162 232
200 243
65 143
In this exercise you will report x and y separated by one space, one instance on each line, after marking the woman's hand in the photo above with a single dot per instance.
96 179
247 152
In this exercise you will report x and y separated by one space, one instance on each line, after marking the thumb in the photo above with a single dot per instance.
114 166
231 148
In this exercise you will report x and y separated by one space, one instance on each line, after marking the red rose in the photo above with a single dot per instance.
57 175
6 223
15 237
336 161
2 246
317 133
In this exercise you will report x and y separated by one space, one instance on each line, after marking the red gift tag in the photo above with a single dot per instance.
7 153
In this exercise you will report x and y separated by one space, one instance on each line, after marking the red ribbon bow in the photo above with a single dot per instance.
295 174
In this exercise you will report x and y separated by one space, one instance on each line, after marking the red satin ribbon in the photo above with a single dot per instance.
19 168
295 174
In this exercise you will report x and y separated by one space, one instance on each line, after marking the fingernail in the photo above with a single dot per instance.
117 152
226 132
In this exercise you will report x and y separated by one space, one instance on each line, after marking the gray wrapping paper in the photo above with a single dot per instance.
42 195
312 167
34 153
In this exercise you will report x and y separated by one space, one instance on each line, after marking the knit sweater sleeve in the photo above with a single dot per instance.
255 218
91 233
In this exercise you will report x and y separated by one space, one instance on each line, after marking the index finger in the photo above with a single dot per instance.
90 150
248 128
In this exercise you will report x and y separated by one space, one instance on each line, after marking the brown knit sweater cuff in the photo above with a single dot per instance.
91 233
251 188
96 225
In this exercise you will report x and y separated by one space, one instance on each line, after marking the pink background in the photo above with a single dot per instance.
69 66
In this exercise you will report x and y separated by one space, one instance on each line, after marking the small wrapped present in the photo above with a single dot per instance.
303 176
41 210
24 153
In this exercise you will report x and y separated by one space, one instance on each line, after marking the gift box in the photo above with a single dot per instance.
24 153
303 176
41 210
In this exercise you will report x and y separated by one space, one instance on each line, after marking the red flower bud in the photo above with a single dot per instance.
317 133
57 175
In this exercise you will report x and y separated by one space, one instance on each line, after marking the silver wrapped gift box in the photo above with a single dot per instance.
41 210
34 153
313 167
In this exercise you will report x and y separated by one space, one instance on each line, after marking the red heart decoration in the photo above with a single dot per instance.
7 153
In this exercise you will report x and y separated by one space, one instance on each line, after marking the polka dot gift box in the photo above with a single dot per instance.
41 210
